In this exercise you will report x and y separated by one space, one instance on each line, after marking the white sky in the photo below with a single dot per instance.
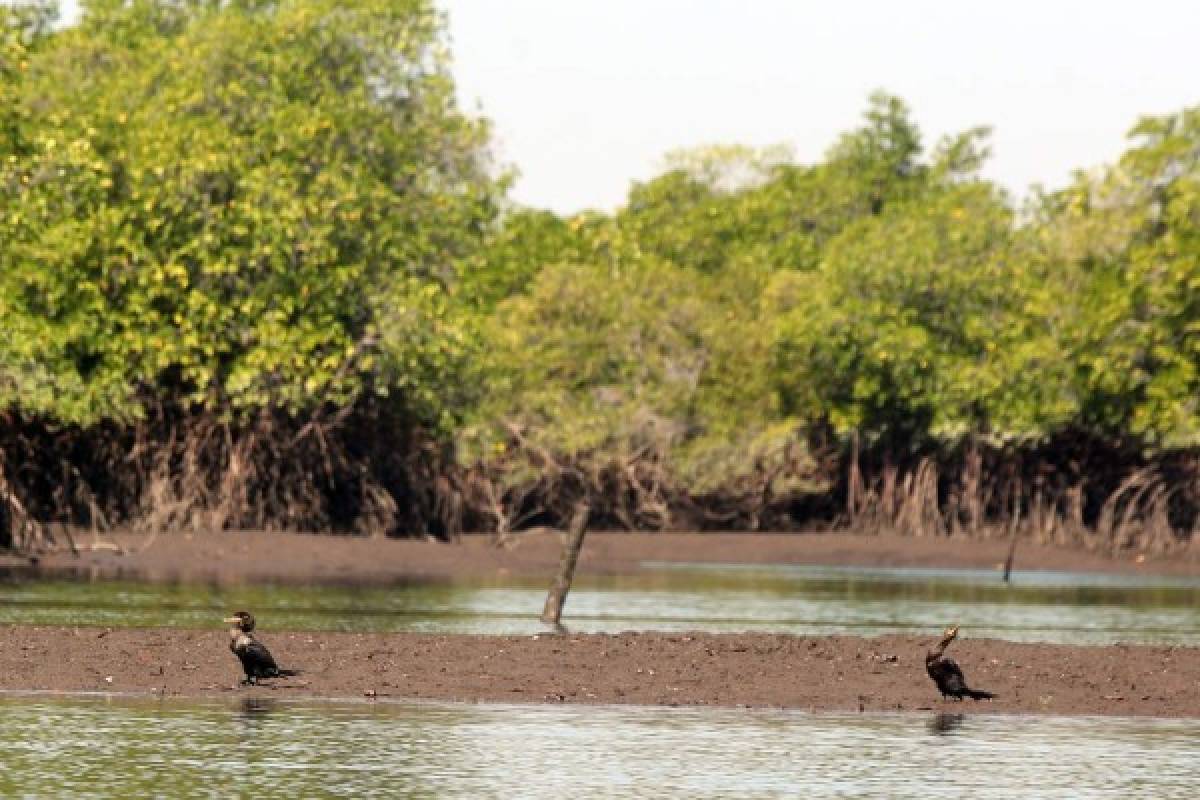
587 95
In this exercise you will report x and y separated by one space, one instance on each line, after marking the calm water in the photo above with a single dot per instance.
112 747
1053 607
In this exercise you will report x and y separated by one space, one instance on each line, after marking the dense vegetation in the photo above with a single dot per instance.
231 232
256 269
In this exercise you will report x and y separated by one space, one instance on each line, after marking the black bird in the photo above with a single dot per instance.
255 657
946 673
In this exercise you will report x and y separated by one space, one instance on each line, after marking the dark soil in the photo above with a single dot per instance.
817 673
288 556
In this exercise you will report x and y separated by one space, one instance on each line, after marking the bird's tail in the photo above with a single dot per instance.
978 694
287 673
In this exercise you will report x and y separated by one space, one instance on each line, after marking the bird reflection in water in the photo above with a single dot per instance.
257 706
942 724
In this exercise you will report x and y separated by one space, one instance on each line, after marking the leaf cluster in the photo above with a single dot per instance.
236 205
742 299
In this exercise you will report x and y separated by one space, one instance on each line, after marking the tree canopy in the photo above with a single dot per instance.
242 204
251 209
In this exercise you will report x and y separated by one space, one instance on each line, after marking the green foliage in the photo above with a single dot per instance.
883 290
1130 237
249 205
647 361
740 297
590 350
702 212
522 243
240 204
924 321
23 28
1165 269
881 158
719 205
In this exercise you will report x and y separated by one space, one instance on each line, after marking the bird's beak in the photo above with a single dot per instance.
234 620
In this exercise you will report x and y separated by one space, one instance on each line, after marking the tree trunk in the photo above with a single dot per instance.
566 568
1015 523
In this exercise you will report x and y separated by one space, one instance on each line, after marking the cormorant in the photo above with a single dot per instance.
946 673
255 657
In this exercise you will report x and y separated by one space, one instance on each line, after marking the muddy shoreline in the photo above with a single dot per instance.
256 555
818 673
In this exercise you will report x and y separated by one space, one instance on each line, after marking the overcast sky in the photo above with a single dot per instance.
587 95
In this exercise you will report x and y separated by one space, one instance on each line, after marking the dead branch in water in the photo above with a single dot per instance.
557 596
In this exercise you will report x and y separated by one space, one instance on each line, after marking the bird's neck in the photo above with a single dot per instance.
936 653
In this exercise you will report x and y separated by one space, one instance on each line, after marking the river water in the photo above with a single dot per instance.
112 746
126 747
1037 606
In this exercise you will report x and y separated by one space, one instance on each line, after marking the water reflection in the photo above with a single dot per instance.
790 600
123 748
977 577
944 723
251 706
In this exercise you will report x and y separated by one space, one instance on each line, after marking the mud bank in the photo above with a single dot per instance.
824 673
240 556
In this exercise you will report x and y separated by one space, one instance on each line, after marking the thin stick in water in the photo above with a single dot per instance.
566 568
